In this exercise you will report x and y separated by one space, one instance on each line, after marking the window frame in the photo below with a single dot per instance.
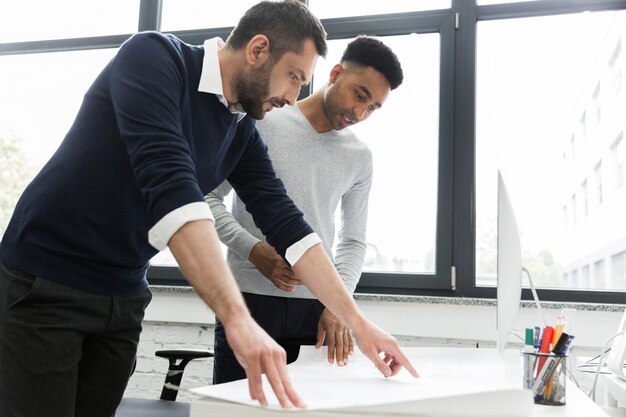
431 21
455 264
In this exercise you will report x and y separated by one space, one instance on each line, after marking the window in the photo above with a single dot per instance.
423 249
38 106
201 14
519 74
395 205
583 129
596 107
597 180
327 9
30 20
615 66
599 279
411 183
618 270
574 211
573 278
617 156
583 199
584 277
484 90
572 150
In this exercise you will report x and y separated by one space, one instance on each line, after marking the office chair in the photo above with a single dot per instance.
166 405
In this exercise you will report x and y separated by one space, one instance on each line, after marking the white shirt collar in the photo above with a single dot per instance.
211 76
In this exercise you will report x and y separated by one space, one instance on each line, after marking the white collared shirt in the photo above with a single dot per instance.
211 76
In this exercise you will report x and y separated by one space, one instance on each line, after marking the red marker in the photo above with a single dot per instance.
545 345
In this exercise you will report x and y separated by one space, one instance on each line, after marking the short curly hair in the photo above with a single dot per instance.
367 51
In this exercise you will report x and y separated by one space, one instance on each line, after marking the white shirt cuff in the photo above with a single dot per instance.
164 229
295 251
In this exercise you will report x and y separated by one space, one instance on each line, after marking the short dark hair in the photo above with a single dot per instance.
367 51
287 24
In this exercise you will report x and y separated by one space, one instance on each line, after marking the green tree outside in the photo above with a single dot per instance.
16 171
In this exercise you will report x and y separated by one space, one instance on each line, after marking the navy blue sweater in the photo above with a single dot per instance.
145 142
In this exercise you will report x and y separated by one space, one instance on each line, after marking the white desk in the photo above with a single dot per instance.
446 373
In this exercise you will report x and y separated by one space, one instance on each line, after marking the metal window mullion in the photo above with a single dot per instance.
545 8
149 15
445 186
385 25
441 22
464 218
62 45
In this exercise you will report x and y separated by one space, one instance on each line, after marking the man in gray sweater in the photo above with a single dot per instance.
321 164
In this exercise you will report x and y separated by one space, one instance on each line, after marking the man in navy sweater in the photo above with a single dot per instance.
162 125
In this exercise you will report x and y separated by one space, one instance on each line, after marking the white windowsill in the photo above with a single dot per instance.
435 317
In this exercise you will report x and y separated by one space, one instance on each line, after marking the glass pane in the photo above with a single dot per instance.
550 114
201 14
164 258
329 9
28 20
41 94
401 229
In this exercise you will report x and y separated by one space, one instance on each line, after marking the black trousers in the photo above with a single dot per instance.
64 352
292 322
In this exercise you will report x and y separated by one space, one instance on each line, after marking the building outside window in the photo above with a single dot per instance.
597 181
583 129
618 270
615 67
584 277
584 203
557 95
598 274
617 155
596 107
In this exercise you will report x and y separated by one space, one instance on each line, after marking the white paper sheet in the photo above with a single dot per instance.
445 372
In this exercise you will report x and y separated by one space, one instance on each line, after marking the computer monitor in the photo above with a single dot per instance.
509 292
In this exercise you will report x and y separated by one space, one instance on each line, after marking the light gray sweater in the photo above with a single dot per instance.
319 171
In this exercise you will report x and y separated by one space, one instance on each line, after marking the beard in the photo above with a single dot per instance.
252 88
333 110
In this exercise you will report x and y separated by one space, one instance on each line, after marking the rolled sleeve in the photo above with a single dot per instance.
161 233
295 251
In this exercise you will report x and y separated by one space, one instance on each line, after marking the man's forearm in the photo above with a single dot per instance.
317 272
196 248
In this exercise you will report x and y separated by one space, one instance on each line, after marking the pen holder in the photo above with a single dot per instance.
545 376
